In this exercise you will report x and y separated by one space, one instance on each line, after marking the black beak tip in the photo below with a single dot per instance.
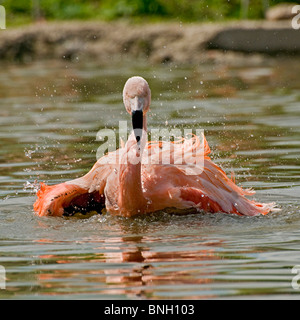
137 124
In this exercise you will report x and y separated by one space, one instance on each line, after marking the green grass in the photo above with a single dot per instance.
24 11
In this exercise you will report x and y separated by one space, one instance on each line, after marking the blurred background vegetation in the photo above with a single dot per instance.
25 11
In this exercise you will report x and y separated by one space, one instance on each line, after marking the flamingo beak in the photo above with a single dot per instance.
137 124
137 117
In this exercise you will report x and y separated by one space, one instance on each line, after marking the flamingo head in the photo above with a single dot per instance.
137 99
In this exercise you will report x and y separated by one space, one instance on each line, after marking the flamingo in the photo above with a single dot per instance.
127 187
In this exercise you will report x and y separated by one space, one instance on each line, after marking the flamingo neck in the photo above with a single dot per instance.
131 198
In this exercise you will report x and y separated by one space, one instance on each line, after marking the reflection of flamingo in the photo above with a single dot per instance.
128 266
128 187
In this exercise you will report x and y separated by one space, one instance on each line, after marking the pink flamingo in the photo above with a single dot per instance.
128 187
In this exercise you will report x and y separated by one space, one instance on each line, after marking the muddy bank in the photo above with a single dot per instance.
158 43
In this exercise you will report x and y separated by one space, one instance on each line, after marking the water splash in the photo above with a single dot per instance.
32 187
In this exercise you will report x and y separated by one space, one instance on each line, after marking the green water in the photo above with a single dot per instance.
50 114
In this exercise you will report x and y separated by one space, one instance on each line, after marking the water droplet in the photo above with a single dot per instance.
28 153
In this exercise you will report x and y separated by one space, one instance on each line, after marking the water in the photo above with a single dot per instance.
50 114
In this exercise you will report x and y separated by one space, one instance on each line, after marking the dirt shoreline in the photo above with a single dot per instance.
157 43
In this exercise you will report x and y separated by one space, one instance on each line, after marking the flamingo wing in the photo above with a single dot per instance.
209 189
83 194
